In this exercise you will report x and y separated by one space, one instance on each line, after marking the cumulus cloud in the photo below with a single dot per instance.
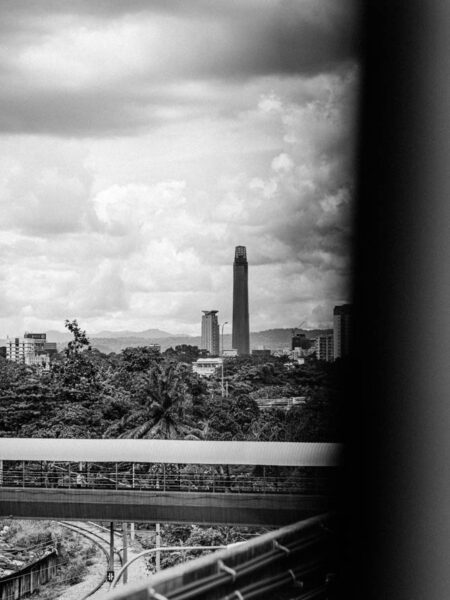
130 167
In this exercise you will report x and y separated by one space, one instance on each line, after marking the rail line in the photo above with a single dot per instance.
101 542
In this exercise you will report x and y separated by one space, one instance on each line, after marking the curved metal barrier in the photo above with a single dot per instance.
298 560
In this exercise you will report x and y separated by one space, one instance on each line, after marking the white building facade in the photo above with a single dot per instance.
207 366
210 332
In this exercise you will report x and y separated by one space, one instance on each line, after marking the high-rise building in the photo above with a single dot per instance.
342 330
324 347
241 327
210 332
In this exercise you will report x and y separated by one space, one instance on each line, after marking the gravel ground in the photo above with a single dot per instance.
136 573
94 575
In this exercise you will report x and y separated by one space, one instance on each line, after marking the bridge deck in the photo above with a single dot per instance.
163 507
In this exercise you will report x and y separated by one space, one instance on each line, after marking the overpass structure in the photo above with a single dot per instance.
241 483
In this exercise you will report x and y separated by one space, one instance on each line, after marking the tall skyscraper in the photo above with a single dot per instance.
210 332
342 330
241 327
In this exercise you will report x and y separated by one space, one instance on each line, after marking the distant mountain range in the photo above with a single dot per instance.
63 336
115 341
109 341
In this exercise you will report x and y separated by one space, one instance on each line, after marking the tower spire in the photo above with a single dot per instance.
241 327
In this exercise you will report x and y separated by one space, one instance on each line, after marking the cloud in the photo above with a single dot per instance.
87 69
130 167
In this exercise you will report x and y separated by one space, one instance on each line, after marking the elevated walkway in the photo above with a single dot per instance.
241 483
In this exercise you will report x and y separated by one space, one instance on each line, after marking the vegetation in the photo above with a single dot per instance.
190 535
141 393
35 537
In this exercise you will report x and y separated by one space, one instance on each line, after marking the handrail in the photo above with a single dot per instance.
298 555
161 549
210 482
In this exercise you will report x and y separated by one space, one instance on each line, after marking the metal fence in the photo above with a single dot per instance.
168 479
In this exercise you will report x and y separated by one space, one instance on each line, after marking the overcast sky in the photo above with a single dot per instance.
142 140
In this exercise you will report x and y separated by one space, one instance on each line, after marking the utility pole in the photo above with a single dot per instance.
125 550
158 544
223 390
110 574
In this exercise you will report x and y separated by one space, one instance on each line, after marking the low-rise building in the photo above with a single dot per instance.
231 353
261 352
206 366
283 403
33 349
20 350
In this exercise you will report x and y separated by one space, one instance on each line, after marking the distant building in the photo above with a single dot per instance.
206 366
283 403
32 349
20 350
39 338
231 353
324 347
342 330
279 352
241 325
261 352
301 341
41 344
210 332
293 363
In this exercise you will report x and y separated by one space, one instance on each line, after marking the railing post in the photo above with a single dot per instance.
264 479
132 475
23 473
70 476
117 477
164 476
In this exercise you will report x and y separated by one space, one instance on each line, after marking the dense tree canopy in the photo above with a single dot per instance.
142 393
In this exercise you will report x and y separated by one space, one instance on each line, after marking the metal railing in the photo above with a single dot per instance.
298 561
166 481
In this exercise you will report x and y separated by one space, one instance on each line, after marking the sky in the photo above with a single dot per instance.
142 140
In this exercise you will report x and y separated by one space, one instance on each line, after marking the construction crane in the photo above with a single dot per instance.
298 327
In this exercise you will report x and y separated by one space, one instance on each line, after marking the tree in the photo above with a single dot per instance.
76 372
139 359
162 407
232 418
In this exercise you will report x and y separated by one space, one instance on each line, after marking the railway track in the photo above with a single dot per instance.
100 537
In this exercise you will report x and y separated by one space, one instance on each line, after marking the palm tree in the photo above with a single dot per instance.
163 411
